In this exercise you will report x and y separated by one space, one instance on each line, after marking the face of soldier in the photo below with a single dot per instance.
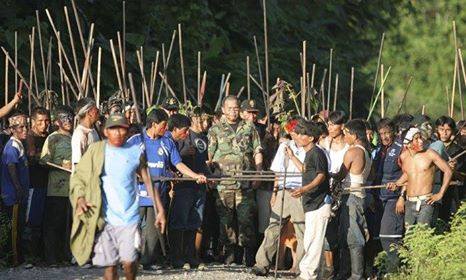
334 130
41 123
20 129
386 136
444 132
231 110
116 136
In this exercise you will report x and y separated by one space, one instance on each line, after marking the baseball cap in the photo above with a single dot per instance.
170 104
116 120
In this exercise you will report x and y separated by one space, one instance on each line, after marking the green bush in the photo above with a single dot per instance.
427 255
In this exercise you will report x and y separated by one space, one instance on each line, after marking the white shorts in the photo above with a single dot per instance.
115 244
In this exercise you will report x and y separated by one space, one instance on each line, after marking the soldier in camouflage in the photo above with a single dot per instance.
234 145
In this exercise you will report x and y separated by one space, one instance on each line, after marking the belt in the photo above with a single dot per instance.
418 199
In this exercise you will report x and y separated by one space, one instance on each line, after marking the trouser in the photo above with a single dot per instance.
293 211
450 204
57 227
151 238
187 208
417 211
316 225
391 233
351 232
15 237
34 222
263 209
236 210
210 225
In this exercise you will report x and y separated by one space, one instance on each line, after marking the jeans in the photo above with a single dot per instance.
422 215
188 208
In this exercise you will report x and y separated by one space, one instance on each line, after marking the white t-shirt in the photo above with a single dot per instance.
80 141
278 165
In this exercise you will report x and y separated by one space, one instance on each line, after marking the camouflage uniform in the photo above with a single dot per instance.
57 221
235 151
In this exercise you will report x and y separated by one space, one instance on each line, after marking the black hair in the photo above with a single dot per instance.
444 120
228 98
308 128
218 114
156 116
357 127
386 123
39 111
178 121
402 122
322 127
337 117
62 109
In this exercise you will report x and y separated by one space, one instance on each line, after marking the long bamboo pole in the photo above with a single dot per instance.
382 96
99 63
335 97
154 78
133 94
351 94
122 61
303 84
248 81
405 95
329 79
144 81
31 69
6 78
198 77
39 33
259 68
452 109
73 49
379 60
62 83
115 64
16 60
460 58
378 93
180 42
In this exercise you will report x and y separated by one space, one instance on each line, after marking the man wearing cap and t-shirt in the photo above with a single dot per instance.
84 134
103 195
418 165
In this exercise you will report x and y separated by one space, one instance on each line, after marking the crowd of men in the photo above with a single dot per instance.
114 186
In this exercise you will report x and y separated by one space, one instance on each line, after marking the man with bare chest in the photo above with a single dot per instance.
418 165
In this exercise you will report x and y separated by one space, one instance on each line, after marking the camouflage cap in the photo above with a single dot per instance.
249 105
116 120
170 104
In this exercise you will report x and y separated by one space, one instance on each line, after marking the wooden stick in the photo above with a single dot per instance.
308 94
303 84
154 78
227 88
60 45
382 97
378 94
452 110
266 55
6 78
240 92
180 42
123 63
16 68
67 79
99 61
85 74
322 89
122 60
329 79
258 63
166 61
49 65
198 76
144 81
62 84
115 64
460 92
133 94
335 97
16 60
448 100
41 50
78 23
351 94
379 60
73 49
58 167
168 86
31 69
423 110
248 81
460 58
203 85
404 95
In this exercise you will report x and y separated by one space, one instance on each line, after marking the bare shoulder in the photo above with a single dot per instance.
432 154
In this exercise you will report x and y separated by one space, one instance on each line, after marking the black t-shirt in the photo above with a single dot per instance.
196 142
315 162
38 173
261 129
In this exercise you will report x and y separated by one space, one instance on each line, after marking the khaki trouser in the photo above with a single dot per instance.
293 211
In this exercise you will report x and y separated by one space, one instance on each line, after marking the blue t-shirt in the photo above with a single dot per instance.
14 153
161 152
119 188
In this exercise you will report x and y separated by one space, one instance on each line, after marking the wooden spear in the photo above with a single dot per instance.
248 81
16 61
115 63
73 49
452 110
180 42
122 61
351 94
322 89
460 92
31 69
448 100
198 76
202 91
259 70
303 84
44 73
379 59
404 95
144 81
154 78
378 94
99 61
168 86
382 97
6 79
329 79
62 84
460 58
133 94
335 97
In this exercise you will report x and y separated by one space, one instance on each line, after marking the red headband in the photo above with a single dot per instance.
290 126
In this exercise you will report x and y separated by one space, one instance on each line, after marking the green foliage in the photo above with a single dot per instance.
422 46
427 255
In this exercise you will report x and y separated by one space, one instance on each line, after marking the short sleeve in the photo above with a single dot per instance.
212 139
10 155
277 163
320 162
